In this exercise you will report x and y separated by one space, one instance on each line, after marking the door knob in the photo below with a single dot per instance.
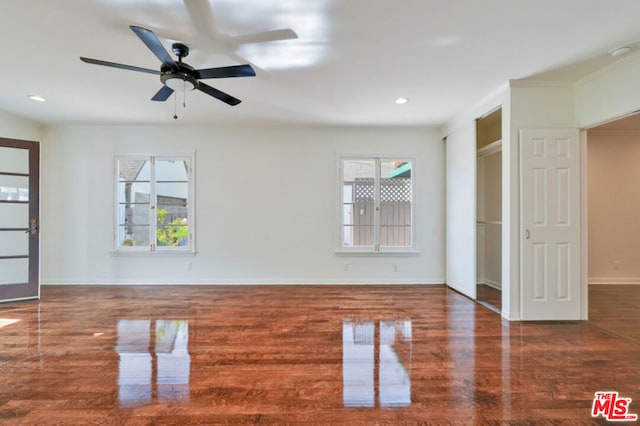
33 227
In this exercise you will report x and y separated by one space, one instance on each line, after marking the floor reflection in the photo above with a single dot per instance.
367 372
395 383
170 358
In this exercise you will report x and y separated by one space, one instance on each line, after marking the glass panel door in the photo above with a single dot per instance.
19 219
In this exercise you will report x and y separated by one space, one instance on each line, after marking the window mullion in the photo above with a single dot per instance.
376 209
153 205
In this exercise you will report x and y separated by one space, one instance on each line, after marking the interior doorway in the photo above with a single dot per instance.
613 156
489 210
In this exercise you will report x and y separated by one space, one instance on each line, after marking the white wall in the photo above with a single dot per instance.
266 205
14 127
614 207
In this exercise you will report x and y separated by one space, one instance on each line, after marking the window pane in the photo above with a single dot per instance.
172 171
133 170
172 193
14 160
173 220
14 271
361 231
395 203
174 234
358 202
133 214
14 188
14 243
133 236
14 215
172 199
172 214
133 192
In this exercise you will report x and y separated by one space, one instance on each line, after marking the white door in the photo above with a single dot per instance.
550 219
461 210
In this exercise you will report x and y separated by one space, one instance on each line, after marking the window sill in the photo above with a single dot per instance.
149 253
367 253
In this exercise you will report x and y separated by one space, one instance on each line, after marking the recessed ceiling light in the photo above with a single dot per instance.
37 98
620 51
402 100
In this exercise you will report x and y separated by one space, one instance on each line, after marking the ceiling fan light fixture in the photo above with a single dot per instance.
179 82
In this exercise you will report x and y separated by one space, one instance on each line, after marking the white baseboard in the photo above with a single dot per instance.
494 284
490 283
244 282
615 281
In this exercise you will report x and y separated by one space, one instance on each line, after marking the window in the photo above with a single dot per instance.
154 208
377 207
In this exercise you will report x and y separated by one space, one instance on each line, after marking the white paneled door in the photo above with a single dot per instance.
19 219
550 212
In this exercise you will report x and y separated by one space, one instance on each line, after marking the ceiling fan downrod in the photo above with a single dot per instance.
180 50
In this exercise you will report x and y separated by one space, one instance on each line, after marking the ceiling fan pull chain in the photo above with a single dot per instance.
175 107
184 93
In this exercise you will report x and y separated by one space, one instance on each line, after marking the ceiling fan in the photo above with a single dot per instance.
179 75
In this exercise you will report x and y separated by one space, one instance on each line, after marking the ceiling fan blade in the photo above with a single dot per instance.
201 16
163 94
218 94
153 43
264 36
121 66
168 35
224 72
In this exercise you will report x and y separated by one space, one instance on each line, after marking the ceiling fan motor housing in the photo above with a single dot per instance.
180 50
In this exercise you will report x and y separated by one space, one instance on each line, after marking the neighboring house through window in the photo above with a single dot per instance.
154 203
377 204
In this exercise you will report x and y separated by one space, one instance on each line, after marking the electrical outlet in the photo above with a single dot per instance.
395 268
345 267
616 265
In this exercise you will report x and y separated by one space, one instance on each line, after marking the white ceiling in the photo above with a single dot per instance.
351 59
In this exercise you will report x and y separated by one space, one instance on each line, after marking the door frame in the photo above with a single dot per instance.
16 292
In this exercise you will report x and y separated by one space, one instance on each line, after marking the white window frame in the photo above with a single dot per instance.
376 248
152 248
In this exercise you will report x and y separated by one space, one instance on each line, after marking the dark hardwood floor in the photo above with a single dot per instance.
616 308
489 296
298 355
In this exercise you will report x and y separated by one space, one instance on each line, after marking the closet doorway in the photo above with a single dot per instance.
489 210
